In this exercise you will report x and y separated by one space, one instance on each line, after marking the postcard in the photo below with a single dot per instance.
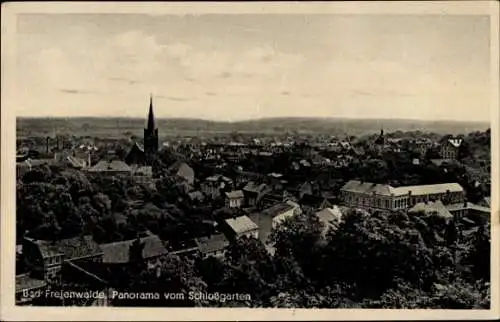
236 161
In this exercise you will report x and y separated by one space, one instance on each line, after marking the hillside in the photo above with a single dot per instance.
119 127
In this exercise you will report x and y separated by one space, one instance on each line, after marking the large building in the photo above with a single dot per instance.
385 197
450 149
142 155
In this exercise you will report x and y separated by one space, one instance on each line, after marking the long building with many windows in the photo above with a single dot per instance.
385 197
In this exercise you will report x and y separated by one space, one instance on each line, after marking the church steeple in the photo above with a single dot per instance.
151 132
151 117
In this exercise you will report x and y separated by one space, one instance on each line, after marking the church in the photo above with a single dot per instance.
143 155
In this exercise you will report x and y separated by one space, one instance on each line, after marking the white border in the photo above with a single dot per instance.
8 14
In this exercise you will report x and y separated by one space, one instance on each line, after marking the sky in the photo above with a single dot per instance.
245 66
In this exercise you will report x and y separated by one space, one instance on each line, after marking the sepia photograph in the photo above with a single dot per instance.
318 158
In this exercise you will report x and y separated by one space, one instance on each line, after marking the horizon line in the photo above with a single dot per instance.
257 119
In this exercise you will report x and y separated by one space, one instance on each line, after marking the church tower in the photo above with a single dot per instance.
151 132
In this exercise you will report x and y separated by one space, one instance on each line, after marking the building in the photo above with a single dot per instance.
151 132
271 217
143 154
450 148
385 197
121 253
252 192
110 168
136 155
239 227
234 199
213 185
45 259
330 218
214 245
182 171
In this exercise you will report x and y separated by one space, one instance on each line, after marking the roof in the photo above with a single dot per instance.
329 214
253 187
115 165
118 252
234 194
455 142
428 189
72 248
241 224
26 282
367 188
76 162
278 209
182 169
212 244
436 207
469 205
218 177
387 190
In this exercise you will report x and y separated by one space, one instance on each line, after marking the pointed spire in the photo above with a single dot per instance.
151 117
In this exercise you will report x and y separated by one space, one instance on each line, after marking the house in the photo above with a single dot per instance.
46 258
240 226
234 199
468 209
299 190
119 253
330 218
382 196
271 217
214 245
213 185
252 192
450 148
110 168
183 171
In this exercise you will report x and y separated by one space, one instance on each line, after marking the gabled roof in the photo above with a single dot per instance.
367 187
105 166
254 187
241 224
118 252
329 216
387 190
212 244
71 248
234 194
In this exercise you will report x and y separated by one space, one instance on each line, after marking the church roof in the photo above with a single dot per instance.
151 117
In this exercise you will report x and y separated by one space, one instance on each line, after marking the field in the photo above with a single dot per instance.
126 127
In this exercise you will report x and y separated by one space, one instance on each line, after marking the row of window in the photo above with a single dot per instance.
402 203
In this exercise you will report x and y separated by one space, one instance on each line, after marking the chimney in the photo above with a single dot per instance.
57 144
47 144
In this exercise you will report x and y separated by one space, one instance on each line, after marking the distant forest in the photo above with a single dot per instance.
120 127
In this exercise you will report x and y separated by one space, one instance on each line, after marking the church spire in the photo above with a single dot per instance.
151 117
